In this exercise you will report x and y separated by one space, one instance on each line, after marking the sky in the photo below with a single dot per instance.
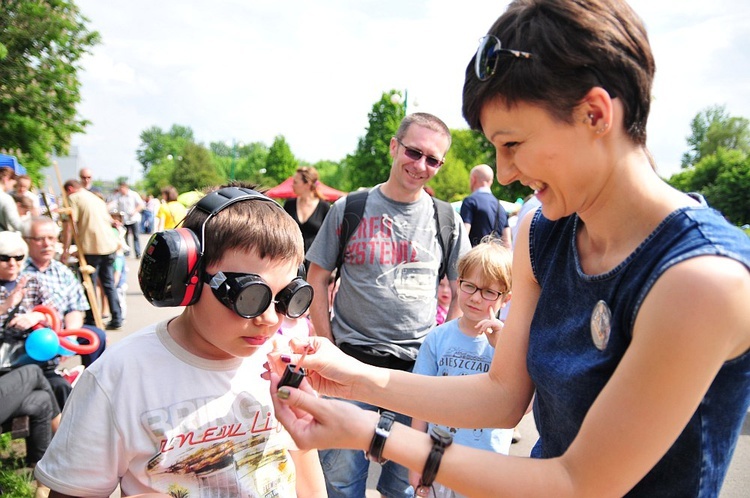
250 70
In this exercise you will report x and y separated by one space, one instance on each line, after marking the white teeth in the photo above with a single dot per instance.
537 186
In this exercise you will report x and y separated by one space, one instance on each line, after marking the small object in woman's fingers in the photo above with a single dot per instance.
292 376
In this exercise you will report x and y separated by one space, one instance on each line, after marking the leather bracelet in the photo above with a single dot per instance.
382 431
441 439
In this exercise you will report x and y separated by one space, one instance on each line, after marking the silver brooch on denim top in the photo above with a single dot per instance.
601 324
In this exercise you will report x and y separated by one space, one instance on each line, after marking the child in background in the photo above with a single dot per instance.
465 346
120 273
444 295
180 407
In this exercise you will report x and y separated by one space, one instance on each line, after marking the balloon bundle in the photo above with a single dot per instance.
47 342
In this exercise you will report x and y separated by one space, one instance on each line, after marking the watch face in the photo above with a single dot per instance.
441 436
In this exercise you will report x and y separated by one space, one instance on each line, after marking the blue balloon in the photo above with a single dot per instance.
42 344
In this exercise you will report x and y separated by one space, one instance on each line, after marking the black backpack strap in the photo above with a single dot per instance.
445 220
354 208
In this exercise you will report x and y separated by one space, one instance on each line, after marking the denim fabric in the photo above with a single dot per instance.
133 230
104 266
569 371
88 359
346 471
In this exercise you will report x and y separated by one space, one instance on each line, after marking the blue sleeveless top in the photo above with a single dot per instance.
569 371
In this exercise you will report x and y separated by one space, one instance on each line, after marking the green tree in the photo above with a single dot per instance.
713 128
472 148
451 183
330 174
249 160
280 162
371 162
41 45
159 175
723 178
194 169
157 145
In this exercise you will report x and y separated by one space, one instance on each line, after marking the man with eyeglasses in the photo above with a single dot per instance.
387 300
41 234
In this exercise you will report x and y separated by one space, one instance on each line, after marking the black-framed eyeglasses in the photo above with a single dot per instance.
416 155
489 51
248 295
5 258
471 289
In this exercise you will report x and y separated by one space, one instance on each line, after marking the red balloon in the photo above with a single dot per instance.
53 318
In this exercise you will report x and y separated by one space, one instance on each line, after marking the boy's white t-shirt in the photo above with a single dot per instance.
153 417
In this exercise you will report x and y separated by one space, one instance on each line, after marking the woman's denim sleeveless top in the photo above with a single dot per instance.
569 371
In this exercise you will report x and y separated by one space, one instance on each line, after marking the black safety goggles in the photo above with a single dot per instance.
248 295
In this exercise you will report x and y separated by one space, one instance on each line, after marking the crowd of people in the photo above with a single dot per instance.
44 244
315 339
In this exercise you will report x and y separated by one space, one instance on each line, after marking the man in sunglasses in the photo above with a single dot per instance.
181 404
387 300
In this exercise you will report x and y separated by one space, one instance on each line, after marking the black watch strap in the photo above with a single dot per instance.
441 439
382 431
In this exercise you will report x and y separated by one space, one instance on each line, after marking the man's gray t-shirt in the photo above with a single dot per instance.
387 297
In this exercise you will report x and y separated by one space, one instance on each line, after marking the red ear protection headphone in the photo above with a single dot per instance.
172 263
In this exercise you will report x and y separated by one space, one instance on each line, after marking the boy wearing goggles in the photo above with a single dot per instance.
180 406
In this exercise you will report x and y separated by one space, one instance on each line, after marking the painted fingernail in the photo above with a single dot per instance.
283 393
286 358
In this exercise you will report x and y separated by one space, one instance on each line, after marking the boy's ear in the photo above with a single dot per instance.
506 299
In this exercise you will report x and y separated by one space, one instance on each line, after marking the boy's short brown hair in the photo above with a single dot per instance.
254 225
492 259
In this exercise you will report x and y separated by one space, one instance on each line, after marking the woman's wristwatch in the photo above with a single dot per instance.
441 439
382 431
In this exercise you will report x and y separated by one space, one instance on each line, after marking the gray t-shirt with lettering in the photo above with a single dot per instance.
387 297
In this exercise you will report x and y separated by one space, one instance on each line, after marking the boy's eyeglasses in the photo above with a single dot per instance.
416 155
248 295
5 258
489 51
471 289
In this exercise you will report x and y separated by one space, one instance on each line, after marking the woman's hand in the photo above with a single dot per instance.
321 423
25 321
17 294
329 370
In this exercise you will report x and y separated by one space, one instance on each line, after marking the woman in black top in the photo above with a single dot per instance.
309 209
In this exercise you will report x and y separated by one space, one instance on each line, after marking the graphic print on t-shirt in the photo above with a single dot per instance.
219 450
408 264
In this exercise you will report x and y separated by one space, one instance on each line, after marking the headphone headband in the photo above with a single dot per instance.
221 199
169 274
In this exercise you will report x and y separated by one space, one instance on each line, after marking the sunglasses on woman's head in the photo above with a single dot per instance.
489 51
5 258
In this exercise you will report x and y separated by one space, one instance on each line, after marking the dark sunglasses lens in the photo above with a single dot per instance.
5 258
431 162
294 300
485 60
412 154
253 300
